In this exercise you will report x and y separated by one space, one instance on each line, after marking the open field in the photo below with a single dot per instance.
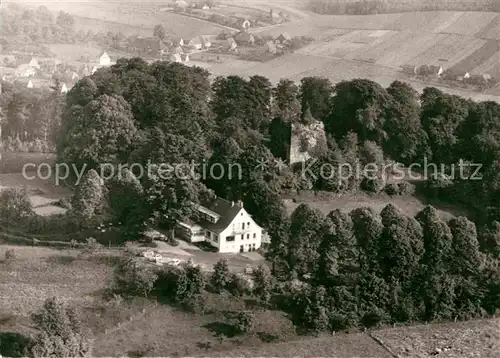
129 17
39 273
479 338
468 40
345 46
141 326
487 51
12 162
491 30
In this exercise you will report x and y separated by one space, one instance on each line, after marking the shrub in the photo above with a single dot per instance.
406 188
134 279
263 284
10 255
244 322
65 204
391 189
61 334
194 304
15 205
89 198
240 285
221 277
37 146
371 185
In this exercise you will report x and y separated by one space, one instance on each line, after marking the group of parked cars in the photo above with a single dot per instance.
159 259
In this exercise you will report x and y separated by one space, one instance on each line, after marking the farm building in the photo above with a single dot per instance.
196 43
487 77
9 78
231 43
430 70
244 38
205 41
148 46
34 63
74 76
181 4
283 38
410 70
104 60
177 41
25 71
436 70
274 17
64 88
246 24
205 7
30 84
271 47
185 57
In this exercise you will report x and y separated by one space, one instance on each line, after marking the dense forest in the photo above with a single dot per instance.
357 268
366 7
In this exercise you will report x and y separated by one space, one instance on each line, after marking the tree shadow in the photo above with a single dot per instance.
221 329
13 344
267 338
251 303
61 260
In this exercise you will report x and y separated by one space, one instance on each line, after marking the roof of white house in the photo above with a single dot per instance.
33 62
226 211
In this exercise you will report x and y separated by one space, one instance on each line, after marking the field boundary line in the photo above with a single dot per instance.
383 345
204 20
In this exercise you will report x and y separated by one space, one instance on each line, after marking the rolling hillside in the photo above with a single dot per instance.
378 45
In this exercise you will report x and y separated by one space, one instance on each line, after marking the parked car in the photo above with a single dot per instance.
150 255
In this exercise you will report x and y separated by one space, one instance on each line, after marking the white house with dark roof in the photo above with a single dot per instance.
225 225
104 60
205 41
196 43
34 63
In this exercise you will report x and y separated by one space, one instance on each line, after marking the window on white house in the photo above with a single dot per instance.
230 238
243 226
248 236
254 236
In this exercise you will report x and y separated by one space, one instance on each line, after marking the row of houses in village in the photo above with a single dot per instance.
244 38
38 73
176 49
451 74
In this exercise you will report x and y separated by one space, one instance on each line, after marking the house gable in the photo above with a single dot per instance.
242 217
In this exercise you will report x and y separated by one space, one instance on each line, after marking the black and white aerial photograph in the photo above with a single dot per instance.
250 178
